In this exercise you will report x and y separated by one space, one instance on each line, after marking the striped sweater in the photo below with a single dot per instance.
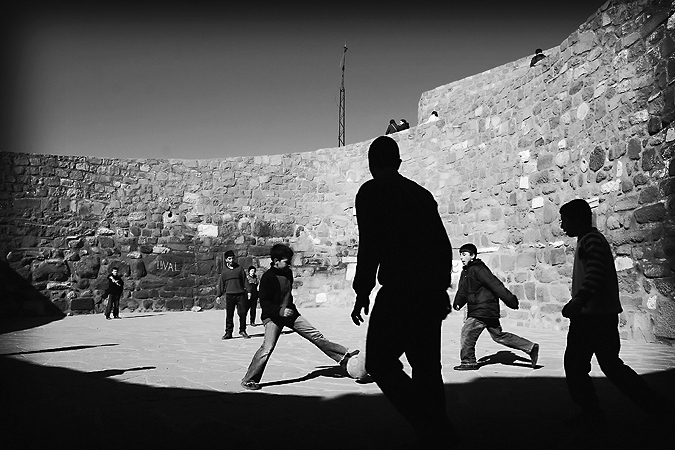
594 280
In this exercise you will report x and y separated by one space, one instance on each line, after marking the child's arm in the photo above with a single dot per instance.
461 295
490 281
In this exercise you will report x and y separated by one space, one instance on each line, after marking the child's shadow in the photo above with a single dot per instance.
506 358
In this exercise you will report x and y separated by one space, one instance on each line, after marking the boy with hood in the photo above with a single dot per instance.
481 290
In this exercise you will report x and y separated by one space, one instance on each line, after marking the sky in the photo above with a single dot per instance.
200 79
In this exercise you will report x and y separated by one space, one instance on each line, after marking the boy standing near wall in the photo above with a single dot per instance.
279 311
481 290
114 292
232 283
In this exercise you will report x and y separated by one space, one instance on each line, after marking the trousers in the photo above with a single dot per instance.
472 329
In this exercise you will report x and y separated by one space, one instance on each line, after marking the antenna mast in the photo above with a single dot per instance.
341 125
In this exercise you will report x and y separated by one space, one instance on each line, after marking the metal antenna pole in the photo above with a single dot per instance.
341 126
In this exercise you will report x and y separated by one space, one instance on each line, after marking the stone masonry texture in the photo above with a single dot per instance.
592 120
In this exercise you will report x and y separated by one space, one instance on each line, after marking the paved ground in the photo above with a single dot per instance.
167 380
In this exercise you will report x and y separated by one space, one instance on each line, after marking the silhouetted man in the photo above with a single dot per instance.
594 319
398 219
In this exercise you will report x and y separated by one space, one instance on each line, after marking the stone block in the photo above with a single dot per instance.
651 213
526 260
174 304
558 256
666 286
82 304
50 270
665 318
88 266
597 159
656 269
634 149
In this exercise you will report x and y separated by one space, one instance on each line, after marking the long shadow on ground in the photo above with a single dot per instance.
47 406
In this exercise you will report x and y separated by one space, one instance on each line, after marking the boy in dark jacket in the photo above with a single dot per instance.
481 290
279 311
114 292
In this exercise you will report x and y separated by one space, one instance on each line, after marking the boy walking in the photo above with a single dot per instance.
232 283
279 311
594 320
480 290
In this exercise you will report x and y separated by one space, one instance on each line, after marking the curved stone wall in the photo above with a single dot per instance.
592 120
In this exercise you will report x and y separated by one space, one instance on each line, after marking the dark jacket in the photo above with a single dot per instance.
232 281
481 290
115 288
272 296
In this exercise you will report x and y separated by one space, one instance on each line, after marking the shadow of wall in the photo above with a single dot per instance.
21 305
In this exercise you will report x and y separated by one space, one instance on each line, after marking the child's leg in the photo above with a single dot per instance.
305 329
509 339
259 361
471 330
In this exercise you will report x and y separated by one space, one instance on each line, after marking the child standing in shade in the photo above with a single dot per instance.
480 290
114 292
252 289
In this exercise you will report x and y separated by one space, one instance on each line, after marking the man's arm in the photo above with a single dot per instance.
367 259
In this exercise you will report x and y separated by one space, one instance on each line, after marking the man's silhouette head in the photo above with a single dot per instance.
383 156
576 217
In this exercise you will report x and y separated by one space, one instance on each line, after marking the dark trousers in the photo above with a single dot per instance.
252 305
113 305
599 336
239 302
420 399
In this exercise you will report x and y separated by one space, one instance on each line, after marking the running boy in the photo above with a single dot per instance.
481 290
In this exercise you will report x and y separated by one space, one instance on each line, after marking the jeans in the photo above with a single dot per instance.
113 304
233 301
472 329
599 335
420 399
272 332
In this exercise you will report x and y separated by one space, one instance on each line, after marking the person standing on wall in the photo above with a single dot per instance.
232 283
252 288
386 206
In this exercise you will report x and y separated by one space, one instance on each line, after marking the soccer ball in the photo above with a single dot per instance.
356 367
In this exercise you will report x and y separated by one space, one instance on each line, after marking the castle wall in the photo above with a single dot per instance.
592 120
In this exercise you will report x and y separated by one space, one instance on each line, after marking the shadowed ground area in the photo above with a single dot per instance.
169 381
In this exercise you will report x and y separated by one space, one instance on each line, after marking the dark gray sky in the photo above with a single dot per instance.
166 80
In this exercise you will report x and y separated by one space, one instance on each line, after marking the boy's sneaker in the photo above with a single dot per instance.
244 334
466 366
227 336
534 355
251 385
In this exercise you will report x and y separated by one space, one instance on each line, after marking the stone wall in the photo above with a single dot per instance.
592 120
